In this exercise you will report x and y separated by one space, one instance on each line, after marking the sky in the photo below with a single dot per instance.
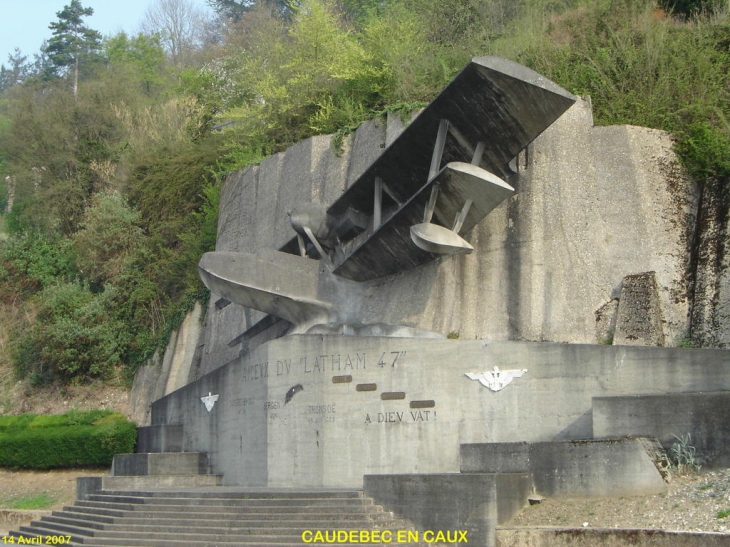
24 23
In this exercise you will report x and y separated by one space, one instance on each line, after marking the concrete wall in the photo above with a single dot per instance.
572 469
711 272
159 438
126 465
387 405
12 519
173 369
472 504
705 417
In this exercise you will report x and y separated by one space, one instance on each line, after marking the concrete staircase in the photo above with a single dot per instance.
210 517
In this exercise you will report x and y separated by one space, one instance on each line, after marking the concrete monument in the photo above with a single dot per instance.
400 312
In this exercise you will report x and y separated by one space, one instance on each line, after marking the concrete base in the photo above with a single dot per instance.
474 504
166 463
89 486
705 417
13 518
322 411
159 438
581 537
572 469
161 481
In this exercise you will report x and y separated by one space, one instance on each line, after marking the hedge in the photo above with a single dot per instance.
74 417
68 440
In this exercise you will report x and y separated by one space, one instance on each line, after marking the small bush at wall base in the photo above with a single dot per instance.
684 456
68 440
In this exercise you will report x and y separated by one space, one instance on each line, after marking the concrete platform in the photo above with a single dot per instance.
704 416
572 469
163 463
324 410
473 503
159 438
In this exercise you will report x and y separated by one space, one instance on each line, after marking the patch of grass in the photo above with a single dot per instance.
453 335
39 501
684 456
685 341
723 513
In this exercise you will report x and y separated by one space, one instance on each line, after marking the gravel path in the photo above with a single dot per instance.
692 504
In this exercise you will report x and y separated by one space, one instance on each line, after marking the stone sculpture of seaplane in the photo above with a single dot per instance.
434 183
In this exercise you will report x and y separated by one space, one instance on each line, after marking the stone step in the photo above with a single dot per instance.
237 493
146 539
234 528
182 536
41 532
161 481
172 514
110 542
230 501
229 508
63 528
84 517
210 517
71 520
94 511
212 527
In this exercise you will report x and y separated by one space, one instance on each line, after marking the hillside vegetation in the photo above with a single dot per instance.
113 150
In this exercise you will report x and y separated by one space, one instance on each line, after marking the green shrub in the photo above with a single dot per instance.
37 421
69 440
31 261
75 336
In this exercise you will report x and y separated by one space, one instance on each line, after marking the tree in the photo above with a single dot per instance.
179 24
17 71
234 10
231 9
142 55
108 240
72 40
75 335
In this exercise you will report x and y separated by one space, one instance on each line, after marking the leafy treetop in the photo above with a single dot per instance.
72 40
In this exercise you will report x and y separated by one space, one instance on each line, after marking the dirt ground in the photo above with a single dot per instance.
58 485
20 397
692 503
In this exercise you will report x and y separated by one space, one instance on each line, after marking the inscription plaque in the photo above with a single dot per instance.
392 395
342 379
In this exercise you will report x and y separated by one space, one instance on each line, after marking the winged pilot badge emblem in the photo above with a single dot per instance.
496 379
209 400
